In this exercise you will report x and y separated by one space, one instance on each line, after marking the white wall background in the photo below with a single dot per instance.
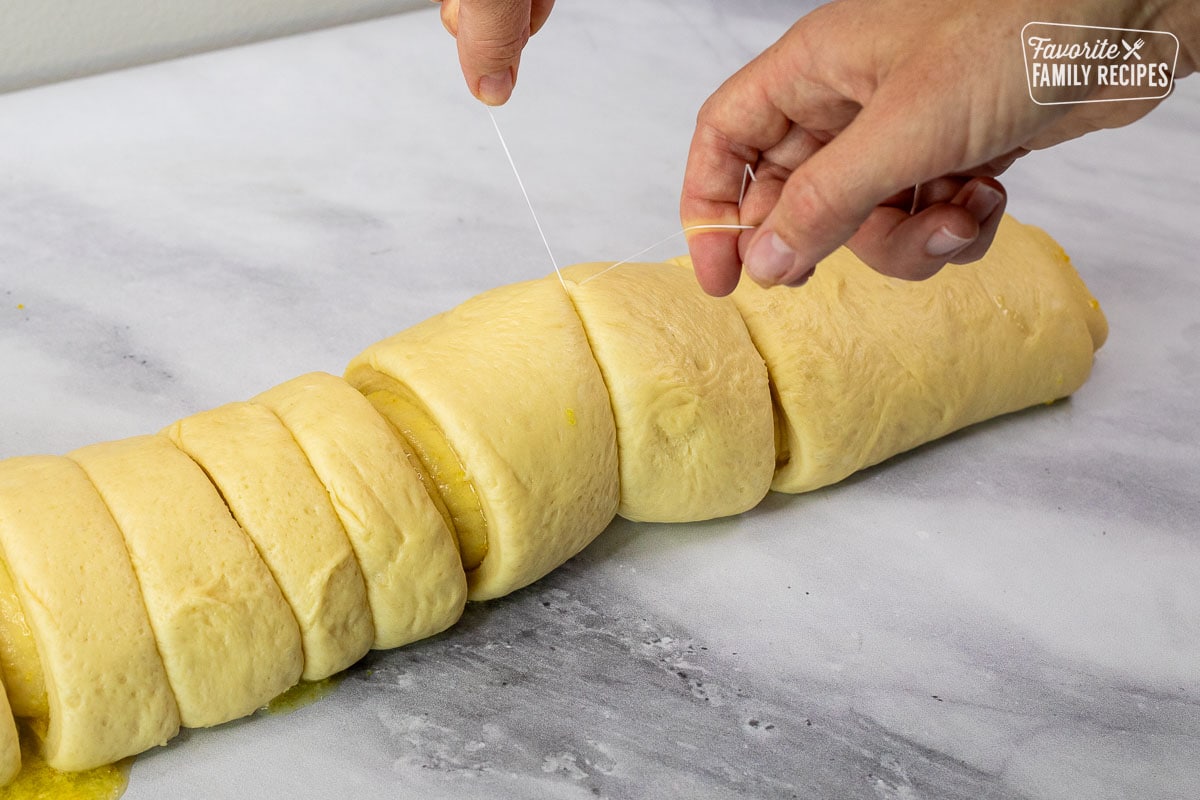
49 40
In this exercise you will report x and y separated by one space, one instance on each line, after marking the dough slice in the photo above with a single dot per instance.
19 663
10 742
414 580
509 381
228 640
283 507
107 692
864 366
689 393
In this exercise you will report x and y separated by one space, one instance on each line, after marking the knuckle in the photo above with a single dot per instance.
500 50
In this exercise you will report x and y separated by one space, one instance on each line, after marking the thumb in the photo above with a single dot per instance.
491 35
831 194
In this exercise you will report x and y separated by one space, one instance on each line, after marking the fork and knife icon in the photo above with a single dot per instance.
1132 50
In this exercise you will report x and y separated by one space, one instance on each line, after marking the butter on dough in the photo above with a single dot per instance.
19 663
228 640
440 469
273 493
695 431
107 691
864 366
10 742
509 379
414 580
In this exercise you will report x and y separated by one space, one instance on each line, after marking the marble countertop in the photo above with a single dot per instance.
1011 612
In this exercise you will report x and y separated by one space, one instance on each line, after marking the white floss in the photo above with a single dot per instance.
529 203
747 178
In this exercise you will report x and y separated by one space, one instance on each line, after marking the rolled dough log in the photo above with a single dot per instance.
273 493
509 379
689 393
414 579
514 443
228 640
864 366
107 691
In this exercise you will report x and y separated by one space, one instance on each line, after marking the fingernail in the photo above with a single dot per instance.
770 260
983 201
495 89
943 242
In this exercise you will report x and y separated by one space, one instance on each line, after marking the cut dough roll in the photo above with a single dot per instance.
865 366
228 640
107 692
509 381
268 484
414 581
689 392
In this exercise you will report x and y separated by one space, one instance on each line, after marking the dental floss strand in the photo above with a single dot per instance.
747 178
663 241
528 202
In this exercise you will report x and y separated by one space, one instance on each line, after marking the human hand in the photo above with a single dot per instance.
491 35
857 104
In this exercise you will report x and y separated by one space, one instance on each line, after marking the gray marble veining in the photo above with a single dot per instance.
1011 612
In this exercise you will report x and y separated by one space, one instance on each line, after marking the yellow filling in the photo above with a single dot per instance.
37 780
419 467
19 658
444 469
783 448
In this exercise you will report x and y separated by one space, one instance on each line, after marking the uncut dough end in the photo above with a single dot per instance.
690 397
509 378
917 360
1086 303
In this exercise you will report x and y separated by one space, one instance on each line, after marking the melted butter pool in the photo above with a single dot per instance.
37 780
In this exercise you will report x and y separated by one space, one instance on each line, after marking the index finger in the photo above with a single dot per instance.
744 119
710 197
